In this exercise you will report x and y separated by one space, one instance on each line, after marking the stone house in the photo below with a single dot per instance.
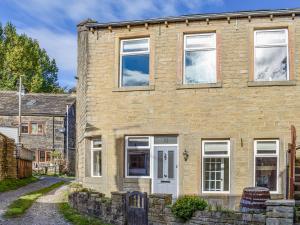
43 125
198 104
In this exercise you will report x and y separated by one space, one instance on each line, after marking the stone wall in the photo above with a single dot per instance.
114 211
8 162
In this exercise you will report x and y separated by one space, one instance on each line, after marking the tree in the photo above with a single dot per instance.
21 55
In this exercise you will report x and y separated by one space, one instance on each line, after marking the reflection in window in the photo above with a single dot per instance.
96 157
134 62
271 55
266 167
138 162
42 156
215 166
138 156
200 58
24 128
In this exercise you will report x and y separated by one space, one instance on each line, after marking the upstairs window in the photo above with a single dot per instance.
37 129
24 128
134 62
271 55
266 163
200 58
216 166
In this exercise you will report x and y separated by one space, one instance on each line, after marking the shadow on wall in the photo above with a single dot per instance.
123 183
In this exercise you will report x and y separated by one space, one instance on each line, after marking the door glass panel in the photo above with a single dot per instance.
171 164
160 166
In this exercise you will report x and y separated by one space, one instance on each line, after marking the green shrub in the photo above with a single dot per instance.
185 206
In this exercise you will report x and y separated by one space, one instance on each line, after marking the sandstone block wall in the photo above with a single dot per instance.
8 162
236 109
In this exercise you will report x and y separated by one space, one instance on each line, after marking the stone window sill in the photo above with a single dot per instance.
198 86
271 83
134 88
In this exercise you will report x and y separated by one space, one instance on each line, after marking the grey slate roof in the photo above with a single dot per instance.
224 15
35 104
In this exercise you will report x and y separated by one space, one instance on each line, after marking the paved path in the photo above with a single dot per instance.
43 212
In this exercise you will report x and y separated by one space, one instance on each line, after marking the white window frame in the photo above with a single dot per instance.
216 156
267 156
93 149
149 147
131 53
198 49
286 44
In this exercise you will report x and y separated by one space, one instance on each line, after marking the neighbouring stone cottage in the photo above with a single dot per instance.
15 161
197 104
47 124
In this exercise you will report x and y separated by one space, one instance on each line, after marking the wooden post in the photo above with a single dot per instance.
292 153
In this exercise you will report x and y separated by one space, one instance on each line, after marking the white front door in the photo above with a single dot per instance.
165 170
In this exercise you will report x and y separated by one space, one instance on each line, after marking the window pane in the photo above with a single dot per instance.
271 64
135 70
171 164
138 162
40 128
34 128
135 45
42 156
138 141
24 128
216 148
48 156
160 164
201 41
200 67
266 172
266 147
271 37
96 163
216 174
97 143
165 140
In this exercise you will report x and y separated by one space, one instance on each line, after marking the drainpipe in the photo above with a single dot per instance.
53 133
67 135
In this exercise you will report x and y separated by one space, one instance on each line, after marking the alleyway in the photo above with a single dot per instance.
43 212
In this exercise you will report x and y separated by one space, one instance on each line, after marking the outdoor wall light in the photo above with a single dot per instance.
185 155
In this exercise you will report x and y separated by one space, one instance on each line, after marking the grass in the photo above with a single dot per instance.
12 184
19 206
76 218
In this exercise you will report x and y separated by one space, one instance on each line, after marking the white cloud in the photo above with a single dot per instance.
52 22
61 46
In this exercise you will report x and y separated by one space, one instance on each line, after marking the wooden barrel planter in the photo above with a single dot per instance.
254 199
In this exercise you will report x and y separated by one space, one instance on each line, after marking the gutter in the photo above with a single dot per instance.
194 17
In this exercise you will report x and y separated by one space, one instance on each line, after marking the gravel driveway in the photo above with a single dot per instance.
43 212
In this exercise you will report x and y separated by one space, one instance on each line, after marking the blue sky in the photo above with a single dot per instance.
53 22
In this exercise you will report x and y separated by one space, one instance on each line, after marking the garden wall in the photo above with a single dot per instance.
114 211
7 158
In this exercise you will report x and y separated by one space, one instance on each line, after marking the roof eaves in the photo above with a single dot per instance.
240 14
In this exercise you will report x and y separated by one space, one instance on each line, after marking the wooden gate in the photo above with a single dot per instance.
137 208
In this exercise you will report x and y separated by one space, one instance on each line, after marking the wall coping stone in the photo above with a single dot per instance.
281 202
